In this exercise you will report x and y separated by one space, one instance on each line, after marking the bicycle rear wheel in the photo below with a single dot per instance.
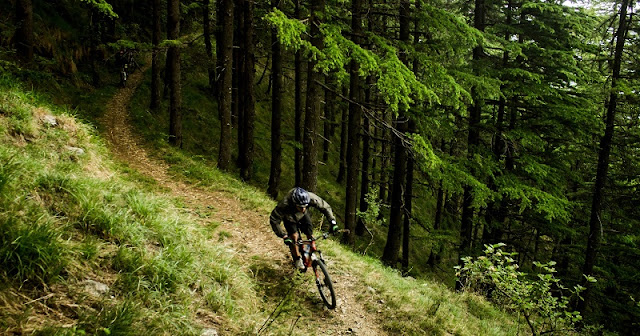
325 286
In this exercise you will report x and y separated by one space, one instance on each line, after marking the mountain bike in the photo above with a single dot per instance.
312 258
127 61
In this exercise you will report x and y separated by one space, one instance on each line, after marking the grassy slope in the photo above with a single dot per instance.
66 217
201 143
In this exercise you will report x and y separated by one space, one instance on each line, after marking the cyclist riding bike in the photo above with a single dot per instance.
292 211
125 61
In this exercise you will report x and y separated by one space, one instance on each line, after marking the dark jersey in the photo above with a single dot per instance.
286 211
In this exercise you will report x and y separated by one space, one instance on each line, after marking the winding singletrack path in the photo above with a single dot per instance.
350 318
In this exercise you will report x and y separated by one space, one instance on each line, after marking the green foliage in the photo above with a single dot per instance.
113 320
163 271
453 175
9 169
66 218
409 306
30 252
290 31
396 83
542 300
551 206
535 61
450 31
371 216
60 331
102 6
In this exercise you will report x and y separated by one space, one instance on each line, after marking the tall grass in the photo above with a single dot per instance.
30 252
61 209
409 306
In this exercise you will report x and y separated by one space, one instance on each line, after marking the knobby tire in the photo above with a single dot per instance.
325 286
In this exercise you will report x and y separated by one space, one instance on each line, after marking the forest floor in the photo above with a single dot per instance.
253 237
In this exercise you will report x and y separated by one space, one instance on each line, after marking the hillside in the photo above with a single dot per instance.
107 239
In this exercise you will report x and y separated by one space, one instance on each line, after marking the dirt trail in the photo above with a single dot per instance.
350 318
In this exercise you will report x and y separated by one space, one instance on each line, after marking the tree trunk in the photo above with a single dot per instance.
495 217
175 90
23 38
408 196
248 94
276 113
237 100
226 54
298 108
95 39
219 50
384 163
392 247
473 140
154 103
595 223
206 29
311 141
366 158
344 128
408 201
466 222
434 256
329 107
355 124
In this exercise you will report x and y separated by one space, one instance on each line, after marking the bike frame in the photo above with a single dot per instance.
308 256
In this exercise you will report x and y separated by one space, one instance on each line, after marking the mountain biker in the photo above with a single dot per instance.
292 210
121 58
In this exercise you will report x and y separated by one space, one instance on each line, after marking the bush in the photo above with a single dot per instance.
540 299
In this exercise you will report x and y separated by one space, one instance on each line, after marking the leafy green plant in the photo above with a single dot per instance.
372 215
541 299
371 218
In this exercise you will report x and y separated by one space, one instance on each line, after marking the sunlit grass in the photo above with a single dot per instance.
408 306
66 215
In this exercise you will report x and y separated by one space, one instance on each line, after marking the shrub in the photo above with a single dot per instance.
540 299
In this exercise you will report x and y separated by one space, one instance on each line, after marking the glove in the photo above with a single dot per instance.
334 227
287 241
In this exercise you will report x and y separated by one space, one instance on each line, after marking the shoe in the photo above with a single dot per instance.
299 264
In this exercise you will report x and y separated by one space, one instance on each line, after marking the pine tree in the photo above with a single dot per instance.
173 58
225 46
276 113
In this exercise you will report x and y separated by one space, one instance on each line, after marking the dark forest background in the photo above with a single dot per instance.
432 127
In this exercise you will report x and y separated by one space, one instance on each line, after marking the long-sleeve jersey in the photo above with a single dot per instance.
286 211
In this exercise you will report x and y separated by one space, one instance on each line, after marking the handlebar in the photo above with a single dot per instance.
324 235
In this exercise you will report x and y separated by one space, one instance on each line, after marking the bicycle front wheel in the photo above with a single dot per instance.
325 286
